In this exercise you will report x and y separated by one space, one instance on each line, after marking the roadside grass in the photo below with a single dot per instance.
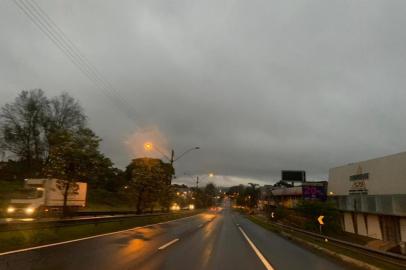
12 240
100 199
303 239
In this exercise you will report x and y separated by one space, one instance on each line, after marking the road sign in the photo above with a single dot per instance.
320 220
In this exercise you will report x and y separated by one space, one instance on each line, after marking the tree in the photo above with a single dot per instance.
210 192
253 195
149 183
49 135
28 123
22 125
238 192
65 113
73 157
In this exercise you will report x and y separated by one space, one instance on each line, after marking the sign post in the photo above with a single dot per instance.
321 223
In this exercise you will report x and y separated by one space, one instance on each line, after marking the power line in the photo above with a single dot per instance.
75 49
77 56
46 25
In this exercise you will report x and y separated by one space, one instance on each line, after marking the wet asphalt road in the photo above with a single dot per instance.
212 240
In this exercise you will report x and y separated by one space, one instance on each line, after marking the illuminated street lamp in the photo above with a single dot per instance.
210 175
148 146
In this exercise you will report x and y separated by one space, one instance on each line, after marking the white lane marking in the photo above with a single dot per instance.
87 238
256 250
168 244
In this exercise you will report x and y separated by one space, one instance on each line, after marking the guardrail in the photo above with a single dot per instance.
55 223
389 257
106 213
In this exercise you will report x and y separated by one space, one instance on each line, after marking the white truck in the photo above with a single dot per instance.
43 197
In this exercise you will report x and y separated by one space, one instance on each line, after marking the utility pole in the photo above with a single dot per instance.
172 156
149 147
197 182
171 161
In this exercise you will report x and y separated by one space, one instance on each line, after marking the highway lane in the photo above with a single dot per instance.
282 253
220 245
206 241
125 250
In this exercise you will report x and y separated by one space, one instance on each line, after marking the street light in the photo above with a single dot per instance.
210 175
148 146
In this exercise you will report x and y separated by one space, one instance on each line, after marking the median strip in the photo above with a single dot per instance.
256 250
168 244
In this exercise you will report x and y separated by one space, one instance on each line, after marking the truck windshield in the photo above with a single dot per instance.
30 193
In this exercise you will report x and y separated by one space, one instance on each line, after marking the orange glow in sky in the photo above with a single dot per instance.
142 142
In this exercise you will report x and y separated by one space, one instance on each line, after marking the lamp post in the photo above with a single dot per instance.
210 175
148 146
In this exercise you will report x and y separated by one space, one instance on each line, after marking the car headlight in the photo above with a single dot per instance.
10 209
29 210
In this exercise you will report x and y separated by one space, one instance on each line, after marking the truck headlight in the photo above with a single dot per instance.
10 209
29 210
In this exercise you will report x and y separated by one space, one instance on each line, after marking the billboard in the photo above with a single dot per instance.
294 176
314 191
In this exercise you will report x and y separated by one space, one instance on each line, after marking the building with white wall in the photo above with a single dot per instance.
372 196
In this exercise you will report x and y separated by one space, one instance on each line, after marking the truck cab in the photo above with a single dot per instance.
28 200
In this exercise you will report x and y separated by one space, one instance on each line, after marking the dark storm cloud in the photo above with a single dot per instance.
260 85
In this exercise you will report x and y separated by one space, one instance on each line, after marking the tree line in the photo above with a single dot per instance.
49 138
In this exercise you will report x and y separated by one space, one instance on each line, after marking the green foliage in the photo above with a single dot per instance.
8 189
149 183
203 197
200 198
73 156
245 195
210 192
280 212
311 210
49 137
27 123
253 195
103 199
22 125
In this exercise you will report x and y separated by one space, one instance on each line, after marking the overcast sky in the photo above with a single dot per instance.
260 86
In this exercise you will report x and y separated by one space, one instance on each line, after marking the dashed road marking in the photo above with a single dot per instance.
168 244
87 238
